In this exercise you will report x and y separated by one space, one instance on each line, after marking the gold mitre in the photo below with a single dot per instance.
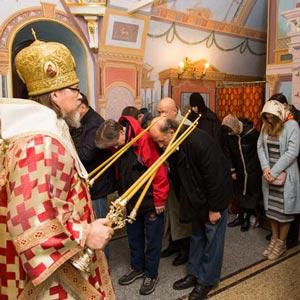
45 67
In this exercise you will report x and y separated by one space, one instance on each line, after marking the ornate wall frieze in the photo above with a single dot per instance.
169 15
121 57
12 24
16 19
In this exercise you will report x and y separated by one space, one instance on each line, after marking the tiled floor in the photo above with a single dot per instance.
267 280
241 250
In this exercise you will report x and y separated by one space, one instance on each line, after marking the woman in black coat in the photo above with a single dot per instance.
240 148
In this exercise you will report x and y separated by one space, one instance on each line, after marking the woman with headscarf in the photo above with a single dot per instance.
278 148
241 139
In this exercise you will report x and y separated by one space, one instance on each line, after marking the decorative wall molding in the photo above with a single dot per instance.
169 15
90 11
283 43
48 10
146 72
11 26
123 57
244 12
273 81
4 59
279 69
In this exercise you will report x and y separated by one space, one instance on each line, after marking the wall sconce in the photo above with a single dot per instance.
206 66
186 67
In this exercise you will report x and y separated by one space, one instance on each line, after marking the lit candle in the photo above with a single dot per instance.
181 66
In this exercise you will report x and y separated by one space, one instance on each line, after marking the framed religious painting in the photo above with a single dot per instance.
123 32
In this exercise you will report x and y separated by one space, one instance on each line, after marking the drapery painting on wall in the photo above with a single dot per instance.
243 101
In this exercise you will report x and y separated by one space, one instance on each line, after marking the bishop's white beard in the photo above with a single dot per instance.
72 119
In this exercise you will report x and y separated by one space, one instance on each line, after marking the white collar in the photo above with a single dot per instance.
21 117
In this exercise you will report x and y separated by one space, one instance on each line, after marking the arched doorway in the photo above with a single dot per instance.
50 31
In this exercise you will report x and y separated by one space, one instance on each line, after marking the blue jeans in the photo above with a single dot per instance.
100 208
145 240
206 250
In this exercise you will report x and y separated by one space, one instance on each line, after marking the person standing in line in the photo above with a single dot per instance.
145 117
131 111
292 114
176 232
241 144
91 156
146 232
202 183
278 148
209 121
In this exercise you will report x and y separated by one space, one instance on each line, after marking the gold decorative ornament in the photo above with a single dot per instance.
82 260
45 67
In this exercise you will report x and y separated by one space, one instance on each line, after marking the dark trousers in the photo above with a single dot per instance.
294 230
100 208
145 241
206 250
182 245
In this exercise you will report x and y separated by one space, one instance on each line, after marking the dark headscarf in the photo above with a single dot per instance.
197 100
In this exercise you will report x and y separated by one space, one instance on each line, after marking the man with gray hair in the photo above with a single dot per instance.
202 183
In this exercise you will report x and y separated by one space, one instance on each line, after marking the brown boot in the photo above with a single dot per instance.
270 247
277 250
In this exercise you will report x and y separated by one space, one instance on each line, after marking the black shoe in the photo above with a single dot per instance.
268 236
169 251
237 221
246 224
148 286
130 277
185 283
180 259
199 292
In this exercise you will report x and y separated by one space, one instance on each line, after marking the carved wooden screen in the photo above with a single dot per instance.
244 101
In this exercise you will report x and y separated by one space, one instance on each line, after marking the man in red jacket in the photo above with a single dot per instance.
146 233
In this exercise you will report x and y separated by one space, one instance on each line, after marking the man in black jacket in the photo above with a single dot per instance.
202 183
92 157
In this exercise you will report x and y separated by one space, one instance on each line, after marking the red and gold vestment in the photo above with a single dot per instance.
44 211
